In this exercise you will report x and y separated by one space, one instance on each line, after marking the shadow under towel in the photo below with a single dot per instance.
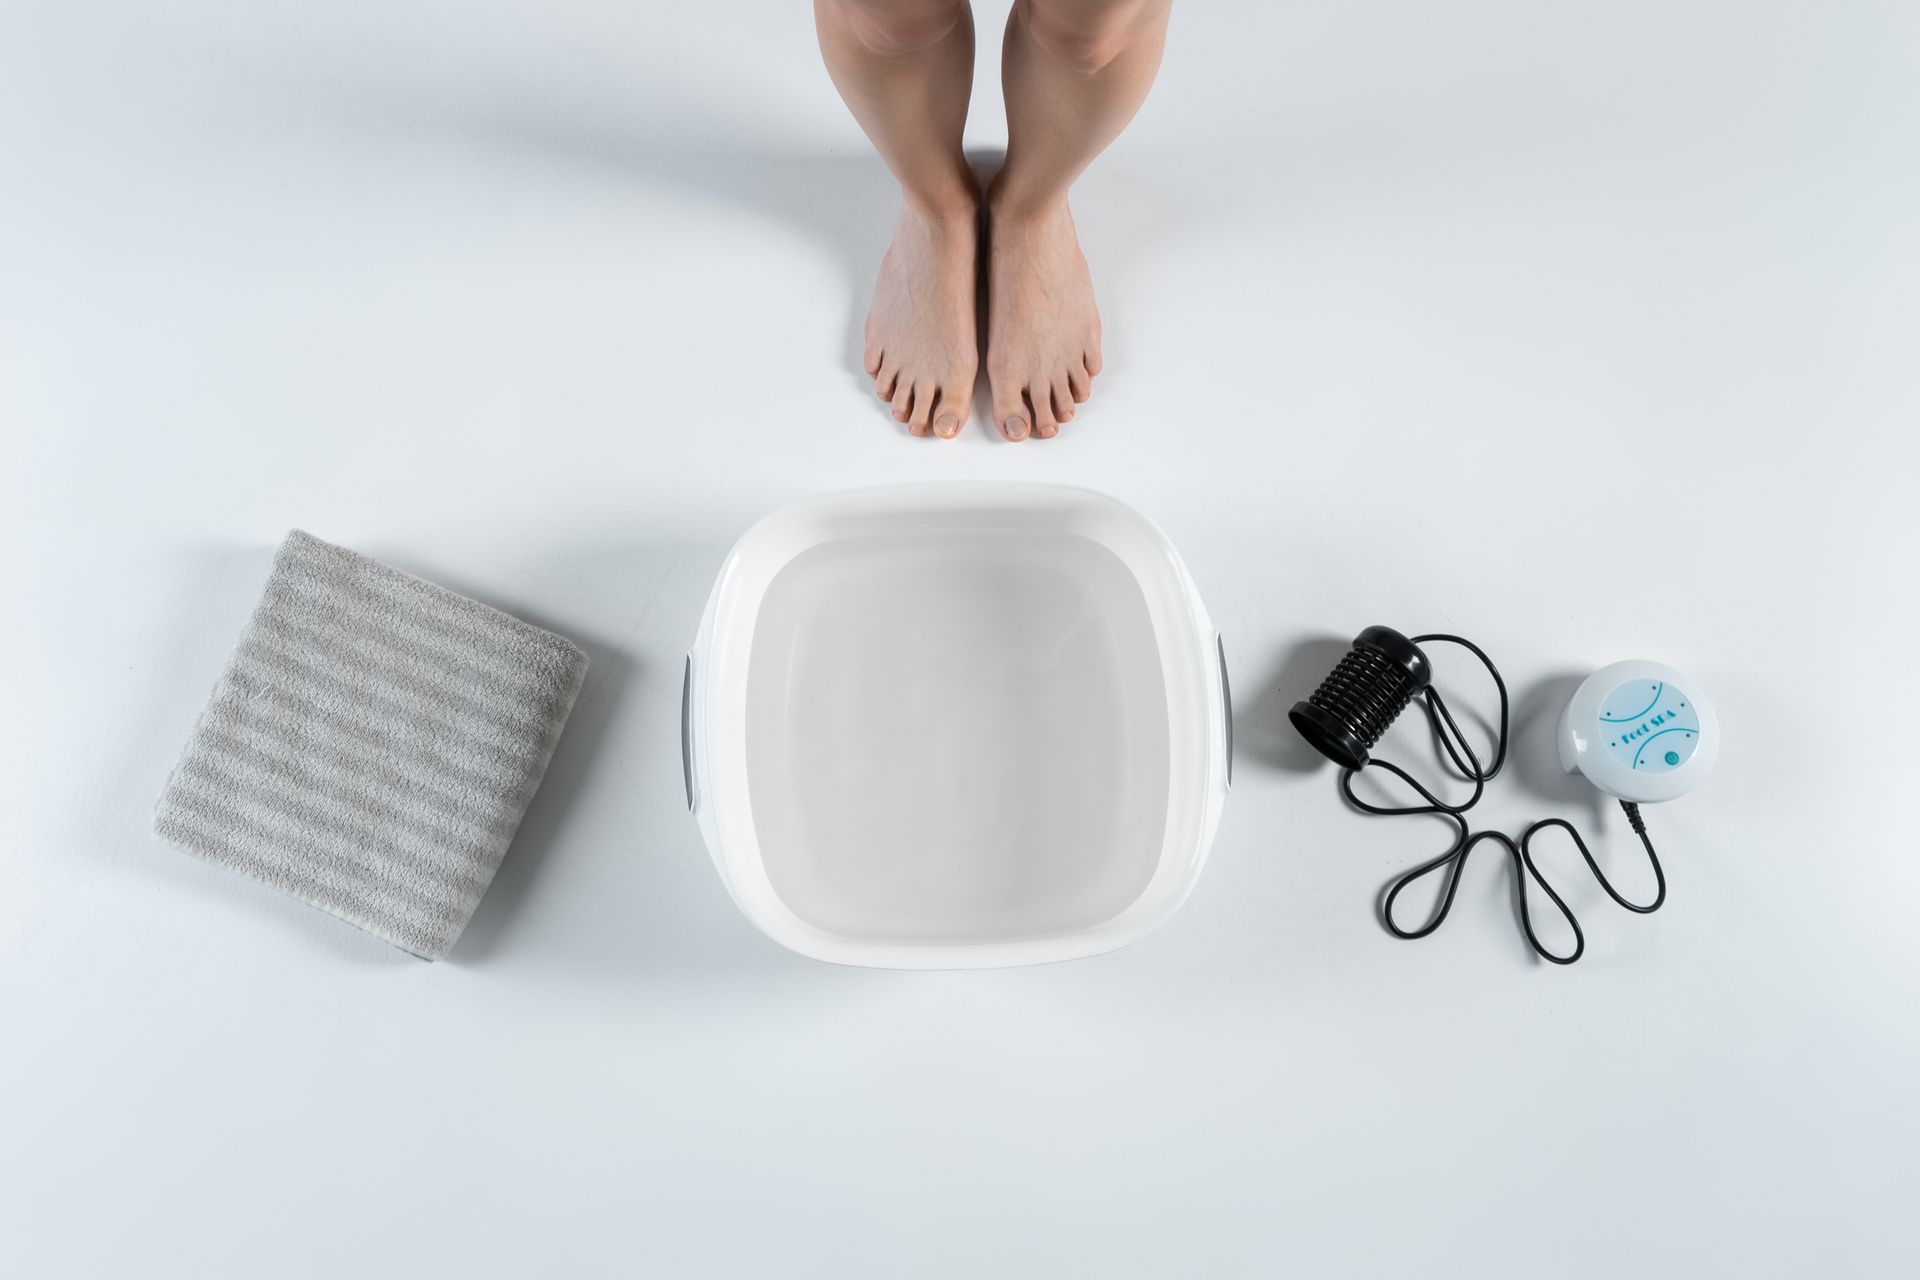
372 744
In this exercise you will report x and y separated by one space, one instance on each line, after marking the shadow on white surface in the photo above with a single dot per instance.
1535 752
842 201
1262 733
548 817
664 142
607 878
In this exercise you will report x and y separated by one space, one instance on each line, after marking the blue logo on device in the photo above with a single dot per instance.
1638 715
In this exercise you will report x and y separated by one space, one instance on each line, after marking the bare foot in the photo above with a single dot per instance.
921 342
1043 331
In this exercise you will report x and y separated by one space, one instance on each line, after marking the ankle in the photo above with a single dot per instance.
950 203
1013 202
948 214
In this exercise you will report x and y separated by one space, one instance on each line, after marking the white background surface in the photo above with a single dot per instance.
1586 330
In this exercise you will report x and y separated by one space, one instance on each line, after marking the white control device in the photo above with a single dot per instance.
1640 731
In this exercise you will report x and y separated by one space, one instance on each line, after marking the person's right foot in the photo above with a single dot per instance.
921 346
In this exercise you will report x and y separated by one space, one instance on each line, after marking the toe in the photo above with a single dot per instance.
1092 360
870 361
949 414
1079 383
1063 409
1009 414
920 415
883 382
1045 425
903 400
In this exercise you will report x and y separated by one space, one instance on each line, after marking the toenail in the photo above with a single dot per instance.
948 427
1016 428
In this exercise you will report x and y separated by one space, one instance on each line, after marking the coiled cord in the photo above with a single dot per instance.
1460 752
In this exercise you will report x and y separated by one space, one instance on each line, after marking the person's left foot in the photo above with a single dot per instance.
1043 331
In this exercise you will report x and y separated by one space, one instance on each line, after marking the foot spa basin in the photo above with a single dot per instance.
956 726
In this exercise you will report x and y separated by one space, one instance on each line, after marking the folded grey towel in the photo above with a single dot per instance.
372 744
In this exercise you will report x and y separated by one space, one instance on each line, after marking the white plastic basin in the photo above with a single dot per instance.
956 726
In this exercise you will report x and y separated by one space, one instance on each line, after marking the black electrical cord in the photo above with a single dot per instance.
1460 752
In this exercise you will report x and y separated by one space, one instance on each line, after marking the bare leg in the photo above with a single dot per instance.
905 69
1075 71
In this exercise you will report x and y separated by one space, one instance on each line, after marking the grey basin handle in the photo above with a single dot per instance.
1226 700
686 731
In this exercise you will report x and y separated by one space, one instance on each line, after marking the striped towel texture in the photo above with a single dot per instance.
372 744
